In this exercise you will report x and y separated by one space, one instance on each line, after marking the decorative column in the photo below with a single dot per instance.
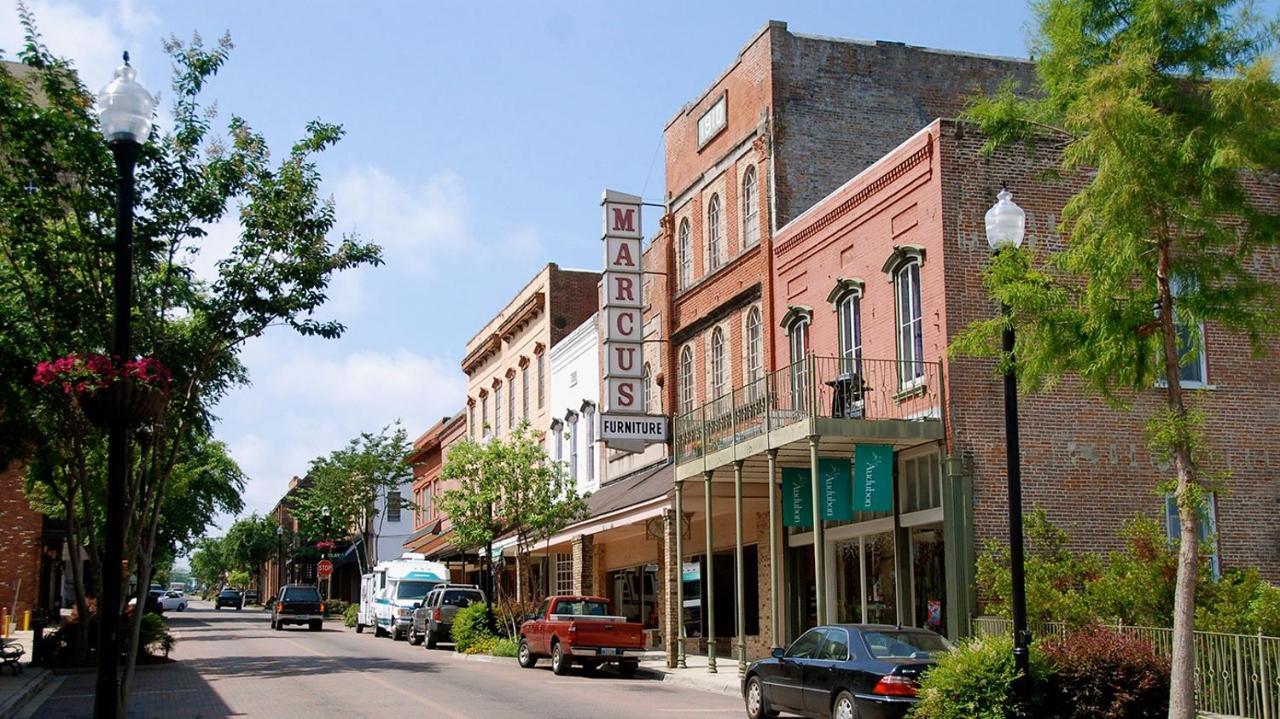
774 599
679 573
819 532
740 592
708 582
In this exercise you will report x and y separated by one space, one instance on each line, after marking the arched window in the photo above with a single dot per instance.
686 380
796 322
849 316
719 375
754 365
750 208
648 389
910 322
684 254
713 233
497 409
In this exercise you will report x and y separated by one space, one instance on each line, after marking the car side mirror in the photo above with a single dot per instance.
417 605
531 616
778 653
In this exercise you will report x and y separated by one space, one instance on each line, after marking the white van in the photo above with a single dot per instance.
394 589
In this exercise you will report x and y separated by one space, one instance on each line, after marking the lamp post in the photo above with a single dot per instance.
324 519
1006 224
279 558
124 112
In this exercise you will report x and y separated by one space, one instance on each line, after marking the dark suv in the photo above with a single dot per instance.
229 598
298 604
433 621
251 596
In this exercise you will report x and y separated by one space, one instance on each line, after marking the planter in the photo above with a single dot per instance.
124 400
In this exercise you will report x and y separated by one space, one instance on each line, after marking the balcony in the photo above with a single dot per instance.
857 400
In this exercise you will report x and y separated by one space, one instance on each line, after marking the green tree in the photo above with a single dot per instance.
209 563
1165 109
350 481
250 542
56 228
508 487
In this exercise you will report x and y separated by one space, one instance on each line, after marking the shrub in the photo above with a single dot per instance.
482 645
1099 673
974 681
1241 603
506 647
471 625
154 637
336 607
350 615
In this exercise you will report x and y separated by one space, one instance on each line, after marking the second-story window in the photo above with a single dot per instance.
684 254
719 373
799 345
541 377
589 419
573 446
750 208
849 315
524 389
648 389
511 403
1194 369
484 412
910 323
686 380
754 365
497 410
394 504
471 420
557 431
713 234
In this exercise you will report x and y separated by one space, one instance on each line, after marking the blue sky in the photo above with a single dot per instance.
479 138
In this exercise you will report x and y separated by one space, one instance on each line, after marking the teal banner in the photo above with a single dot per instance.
837 489
873 478
797 497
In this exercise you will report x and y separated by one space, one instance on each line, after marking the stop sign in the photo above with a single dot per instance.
324 569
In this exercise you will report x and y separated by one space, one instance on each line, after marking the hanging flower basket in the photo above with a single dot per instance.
135 392
127 400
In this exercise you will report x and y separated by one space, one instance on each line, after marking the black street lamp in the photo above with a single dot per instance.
124 112
279 558
325 518
1006 224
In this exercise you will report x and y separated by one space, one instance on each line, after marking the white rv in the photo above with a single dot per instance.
389 593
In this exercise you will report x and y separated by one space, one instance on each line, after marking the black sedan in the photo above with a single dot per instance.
229 598
867 671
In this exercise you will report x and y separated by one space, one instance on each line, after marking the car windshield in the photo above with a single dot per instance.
583 609
459 598
904 644
301 594
228 593
413 590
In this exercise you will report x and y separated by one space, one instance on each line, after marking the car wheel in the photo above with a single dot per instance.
843 708
359 628
757 706
628 670
182 607
432 642
239 607
526 657
559 662
217 606
279 626
415 638
315 626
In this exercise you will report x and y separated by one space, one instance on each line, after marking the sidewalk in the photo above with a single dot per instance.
16 691
695 676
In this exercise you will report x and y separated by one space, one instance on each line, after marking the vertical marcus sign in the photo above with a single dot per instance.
623 326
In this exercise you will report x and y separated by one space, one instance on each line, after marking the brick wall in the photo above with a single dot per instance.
1086 462
20 529
583 555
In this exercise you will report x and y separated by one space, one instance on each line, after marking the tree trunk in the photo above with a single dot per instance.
1182 691
77 581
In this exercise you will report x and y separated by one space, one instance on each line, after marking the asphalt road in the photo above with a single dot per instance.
230 663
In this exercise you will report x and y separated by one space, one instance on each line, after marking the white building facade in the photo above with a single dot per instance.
574 405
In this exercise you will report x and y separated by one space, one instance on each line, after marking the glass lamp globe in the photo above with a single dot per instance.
279 531
1006 223
124 107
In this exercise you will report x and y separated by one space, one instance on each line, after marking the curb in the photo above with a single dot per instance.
728 686
15 703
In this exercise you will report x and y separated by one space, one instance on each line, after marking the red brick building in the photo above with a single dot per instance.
21 545
431 528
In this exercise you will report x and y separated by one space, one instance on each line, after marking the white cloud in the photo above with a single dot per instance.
91 35
304 404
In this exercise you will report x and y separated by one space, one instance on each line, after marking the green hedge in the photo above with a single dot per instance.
471 627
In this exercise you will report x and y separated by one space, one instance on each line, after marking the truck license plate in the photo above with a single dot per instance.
608 651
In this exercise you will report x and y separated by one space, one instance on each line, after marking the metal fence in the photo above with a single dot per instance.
1236 674
831 387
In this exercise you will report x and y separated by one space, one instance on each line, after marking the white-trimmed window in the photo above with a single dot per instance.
557 430
849 317
1194 369
684 254
686 380
648 389
497 410
541 376
713 233
564 574
753 367
589 419
910 323
394 505
573 446
1208 526
719 372
484 412
750 208
471 420
524 389
798 342
511 403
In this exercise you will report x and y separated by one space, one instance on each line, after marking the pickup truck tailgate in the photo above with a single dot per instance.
606 632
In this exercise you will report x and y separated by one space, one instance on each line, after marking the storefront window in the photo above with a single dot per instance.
878 583
928 578
921 485
634 592
691 613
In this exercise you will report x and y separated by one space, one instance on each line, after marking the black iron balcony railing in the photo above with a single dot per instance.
815 387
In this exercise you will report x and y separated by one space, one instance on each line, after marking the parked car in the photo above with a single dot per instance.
173 601
154 603
433 621
298 604
582 630
229 598
869 671
251 596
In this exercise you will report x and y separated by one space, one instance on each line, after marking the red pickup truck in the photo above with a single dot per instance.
573 629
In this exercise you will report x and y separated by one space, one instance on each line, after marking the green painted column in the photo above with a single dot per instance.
819 532
708 582
680 630
740 590
775 600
